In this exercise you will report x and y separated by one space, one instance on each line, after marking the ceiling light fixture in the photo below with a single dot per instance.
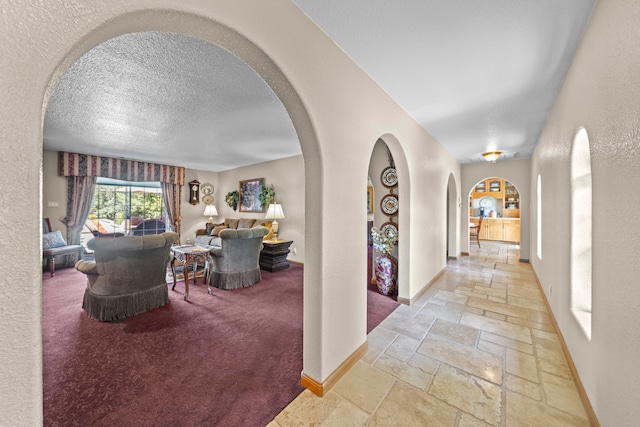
491 156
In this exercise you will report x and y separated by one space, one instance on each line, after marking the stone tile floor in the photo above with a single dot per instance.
478 349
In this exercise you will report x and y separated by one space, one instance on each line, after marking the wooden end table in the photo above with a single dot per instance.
273 256
188 254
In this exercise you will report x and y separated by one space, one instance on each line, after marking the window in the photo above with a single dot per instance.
581 231
120 206
539 218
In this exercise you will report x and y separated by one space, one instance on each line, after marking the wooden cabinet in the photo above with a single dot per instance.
511 230
493 187
499 229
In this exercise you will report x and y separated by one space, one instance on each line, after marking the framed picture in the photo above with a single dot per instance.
369 199
250 195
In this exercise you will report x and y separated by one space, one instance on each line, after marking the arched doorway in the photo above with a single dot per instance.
497 201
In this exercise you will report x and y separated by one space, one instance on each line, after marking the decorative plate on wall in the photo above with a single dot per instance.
389 204
389 177
389 229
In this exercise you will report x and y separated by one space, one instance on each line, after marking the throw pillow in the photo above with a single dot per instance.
262 223
246 222
218 229
53 240
231 222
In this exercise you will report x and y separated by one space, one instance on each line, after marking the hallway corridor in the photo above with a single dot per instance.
477 349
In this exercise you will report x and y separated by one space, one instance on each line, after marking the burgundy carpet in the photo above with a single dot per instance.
233 358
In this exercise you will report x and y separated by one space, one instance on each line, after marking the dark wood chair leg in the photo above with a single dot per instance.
52 266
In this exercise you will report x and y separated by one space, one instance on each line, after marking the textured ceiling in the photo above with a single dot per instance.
478 75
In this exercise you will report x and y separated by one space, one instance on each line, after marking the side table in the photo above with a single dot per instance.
188 254
273 256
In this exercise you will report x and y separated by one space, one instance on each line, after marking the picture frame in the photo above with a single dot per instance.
249 195
369 199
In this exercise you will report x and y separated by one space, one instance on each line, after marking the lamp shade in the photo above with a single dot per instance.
274 211
210 211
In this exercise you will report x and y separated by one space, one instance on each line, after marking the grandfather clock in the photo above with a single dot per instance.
194 192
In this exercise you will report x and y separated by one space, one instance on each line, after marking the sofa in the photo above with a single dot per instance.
210 237
235 263
127 276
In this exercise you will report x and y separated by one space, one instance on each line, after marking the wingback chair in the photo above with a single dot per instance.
128 276
235 264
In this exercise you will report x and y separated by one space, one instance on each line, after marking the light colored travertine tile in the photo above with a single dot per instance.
400 325
469 359
561 393
546 336
474 395
377 342
405 372
522 411
497 327
455 332
496 299
553 362
526 303
492 348
364 385
308 409
496 307
450 297
500 293
404 407
469 294
524 292
467 420
441 312
346 414
530 324
424 363
408 311
522 365
499 286
507 342
465 308
402 348
495 315
522 386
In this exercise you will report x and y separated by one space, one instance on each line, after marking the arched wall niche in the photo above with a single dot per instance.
404 223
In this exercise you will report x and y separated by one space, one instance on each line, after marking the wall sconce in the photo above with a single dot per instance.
491 156
274 212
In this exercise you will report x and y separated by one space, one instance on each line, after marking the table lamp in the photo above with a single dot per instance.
274 212
211 211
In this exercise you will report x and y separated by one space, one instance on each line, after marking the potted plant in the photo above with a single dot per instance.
267 195
232 199
386 265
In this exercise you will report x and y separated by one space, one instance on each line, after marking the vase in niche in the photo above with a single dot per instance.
386 274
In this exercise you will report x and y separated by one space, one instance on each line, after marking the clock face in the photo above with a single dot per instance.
207 189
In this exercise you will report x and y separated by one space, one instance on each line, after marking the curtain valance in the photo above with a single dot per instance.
70 164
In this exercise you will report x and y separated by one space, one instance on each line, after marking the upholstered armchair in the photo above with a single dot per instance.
235 263
128 275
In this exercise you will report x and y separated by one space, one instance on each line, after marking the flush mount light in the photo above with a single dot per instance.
491 156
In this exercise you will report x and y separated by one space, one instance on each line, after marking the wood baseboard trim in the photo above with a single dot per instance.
591 415
464 253
301 264
319 389
426 287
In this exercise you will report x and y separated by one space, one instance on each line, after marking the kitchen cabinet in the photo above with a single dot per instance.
499 229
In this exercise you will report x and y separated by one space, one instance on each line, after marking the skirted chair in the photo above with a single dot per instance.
128 275
235 264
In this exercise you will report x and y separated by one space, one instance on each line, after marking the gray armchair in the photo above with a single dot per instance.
128 276
235 264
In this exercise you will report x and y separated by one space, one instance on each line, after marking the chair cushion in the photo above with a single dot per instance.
53 240
231 222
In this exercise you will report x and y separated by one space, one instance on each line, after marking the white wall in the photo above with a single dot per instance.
516 171
337 111
602 93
